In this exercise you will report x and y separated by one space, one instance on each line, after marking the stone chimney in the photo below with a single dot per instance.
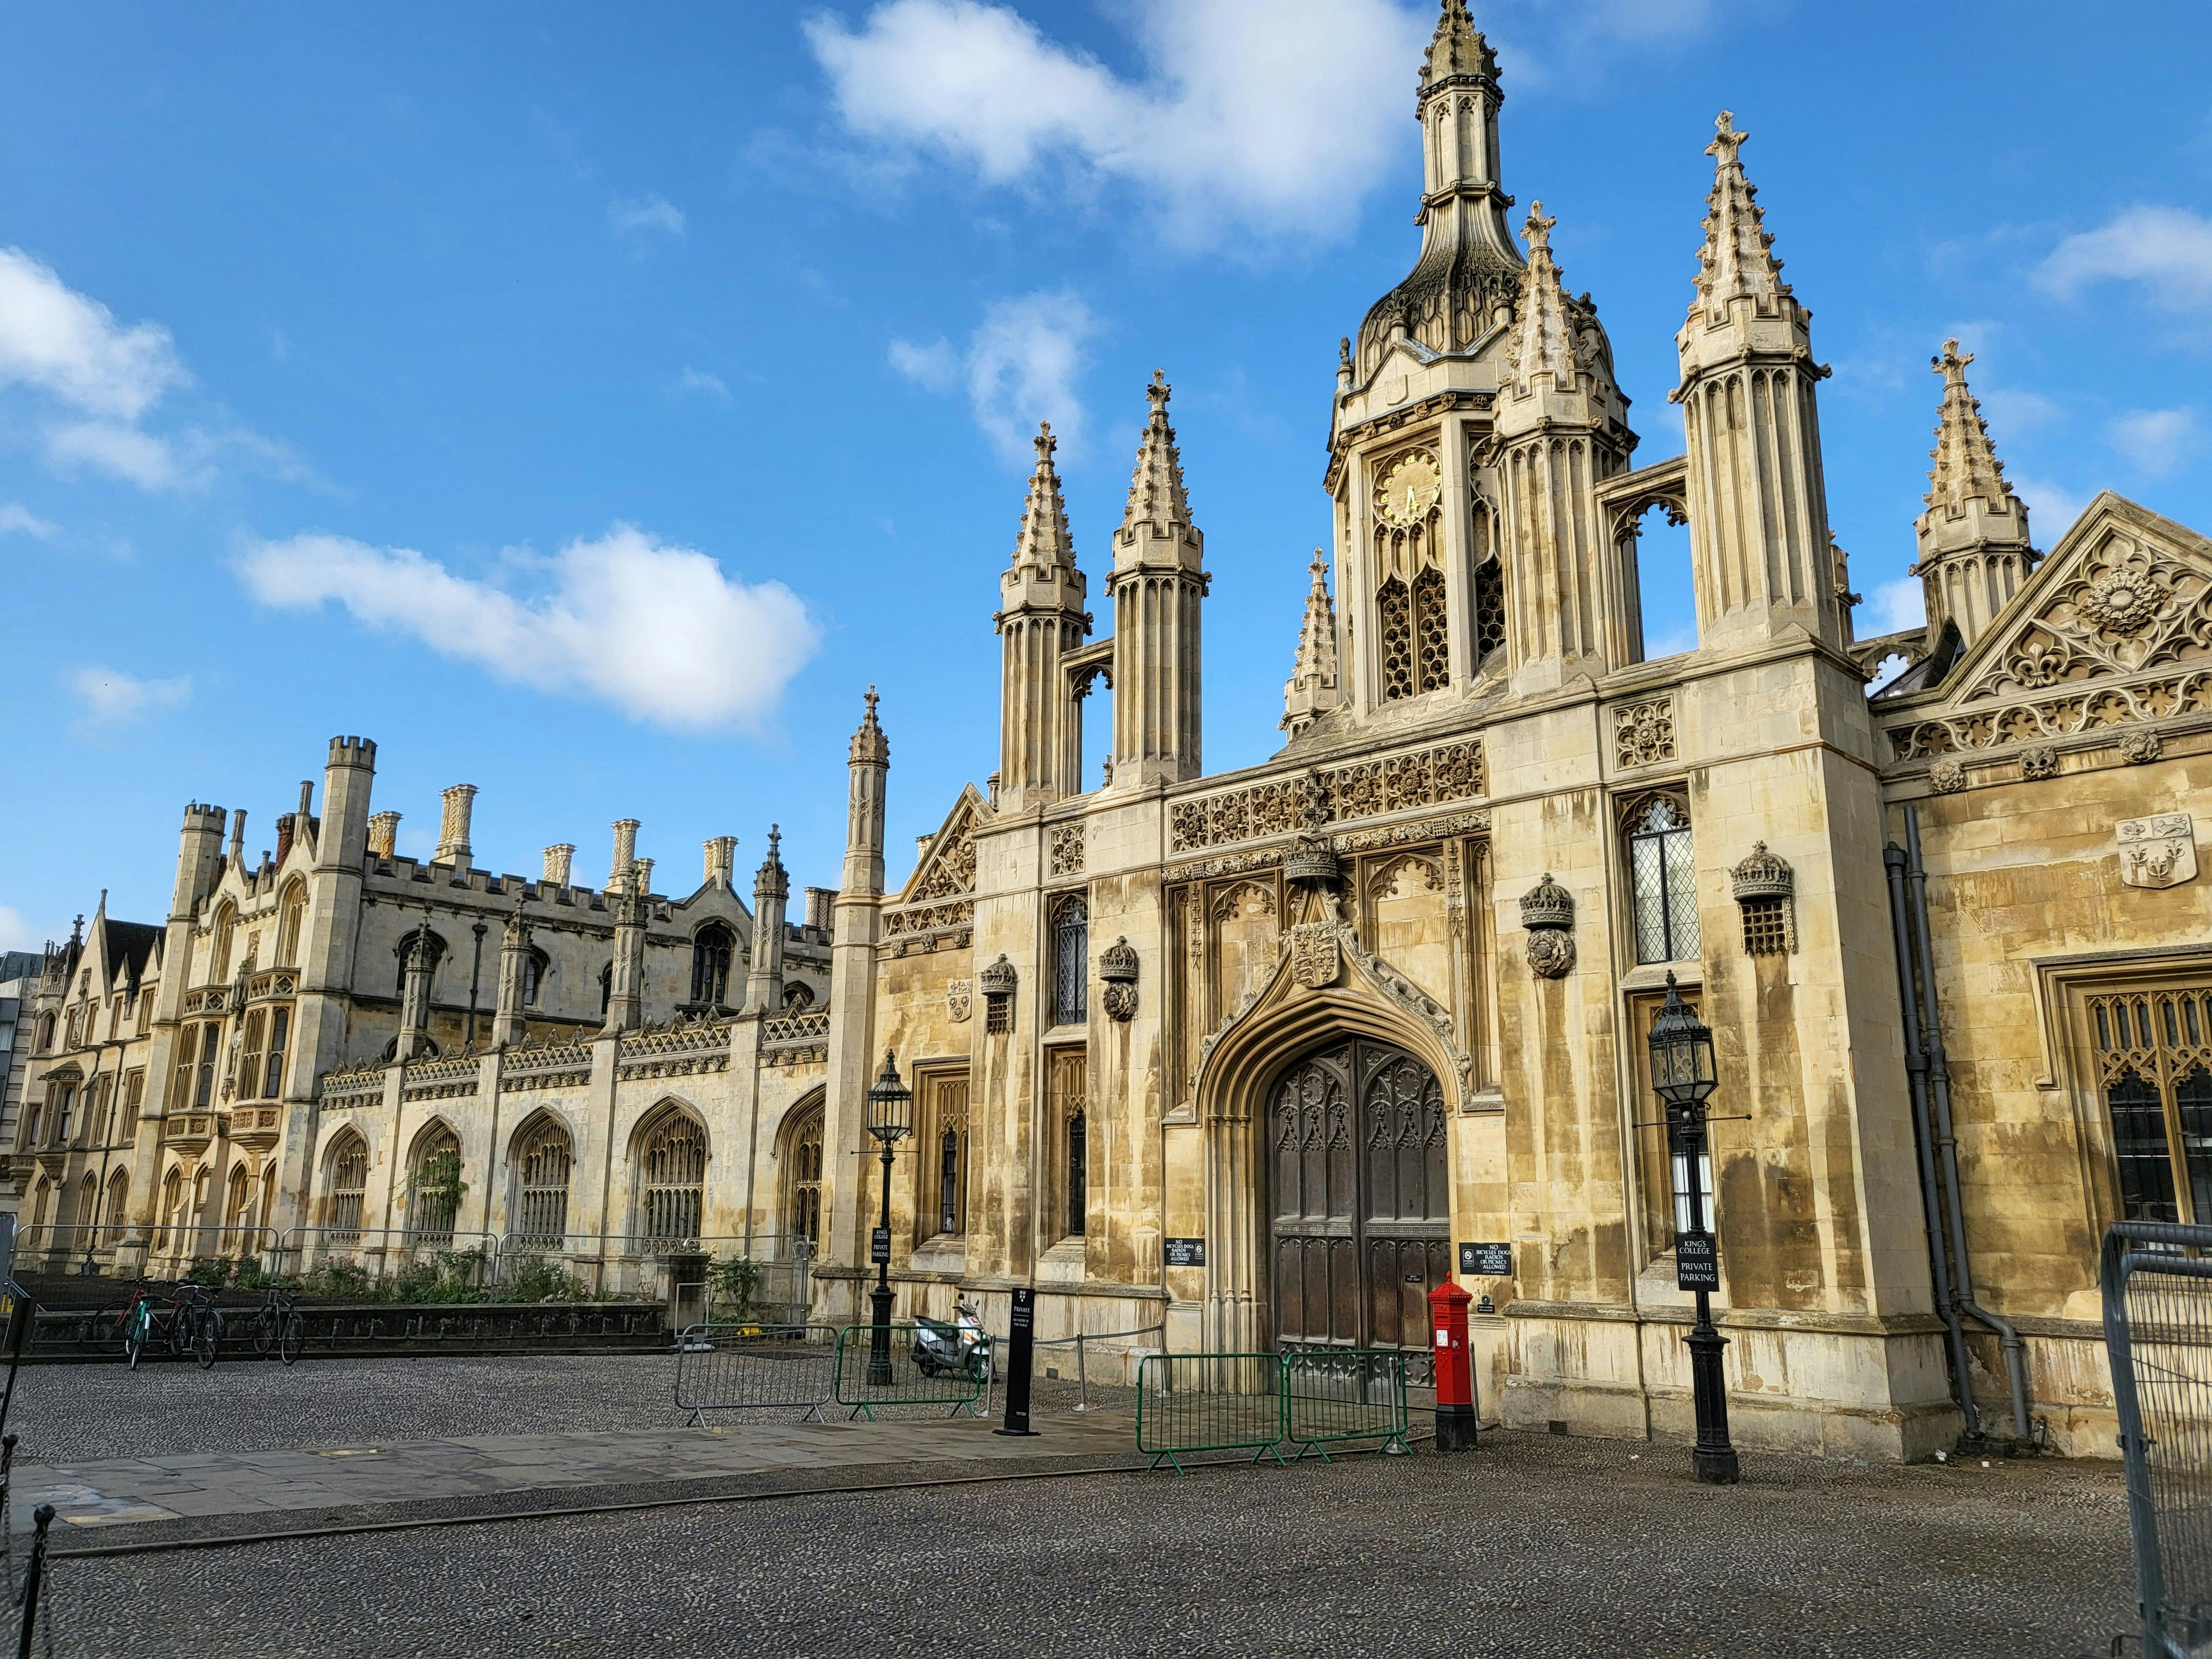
383 834
558 862
641 871
721 861
453 827
625 850
822 908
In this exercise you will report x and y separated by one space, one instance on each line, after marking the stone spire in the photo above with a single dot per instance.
1737 261
1044 542
1156 490
866 765
1463 282
870 747
415 992
1562 427
626 979
1974 550
1158 579
1043 613
1758 505
1311 689
771 892
509 1021
1543 340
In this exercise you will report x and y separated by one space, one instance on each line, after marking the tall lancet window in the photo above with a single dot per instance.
1071 952
711 948
1410 607
1663 879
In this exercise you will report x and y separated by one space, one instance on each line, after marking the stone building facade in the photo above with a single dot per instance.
1251 1058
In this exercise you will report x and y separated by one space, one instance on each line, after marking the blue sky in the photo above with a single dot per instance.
588 403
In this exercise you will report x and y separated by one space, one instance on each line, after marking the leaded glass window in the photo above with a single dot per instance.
543 1161
1663 877
2154 1067
1070 955
673 1166
349 1180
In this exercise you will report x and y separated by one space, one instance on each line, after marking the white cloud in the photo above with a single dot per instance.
16 932
2168 250
653 211
112 698
2011 411
698 379
2160 442
2051 508
16 519
63 342
1895 607
1020 367
1273 120
122 452
657 631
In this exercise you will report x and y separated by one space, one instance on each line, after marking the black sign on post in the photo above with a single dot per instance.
1696 1265
879 1246
1486 1260
1184 1252
1021 1351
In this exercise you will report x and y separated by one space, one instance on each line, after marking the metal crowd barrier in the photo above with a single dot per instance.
1334 1395
2156 1278
1193 1402
738 1367
908 1381
1078 1342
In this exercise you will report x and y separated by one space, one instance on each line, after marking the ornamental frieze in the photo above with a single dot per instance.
2094 708
1394 783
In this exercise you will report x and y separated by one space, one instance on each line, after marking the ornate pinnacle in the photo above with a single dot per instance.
1737 260
1156 486
1312 685
1457 48
1543 340
1044 542
1966 467
870 747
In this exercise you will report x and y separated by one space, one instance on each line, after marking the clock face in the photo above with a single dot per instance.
1410 491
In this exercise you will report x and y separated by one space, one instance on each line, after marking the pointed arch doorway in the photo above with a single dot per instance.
1359 1197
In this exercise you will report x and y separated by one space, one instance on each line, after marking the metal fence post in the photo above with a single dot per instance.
1082 1378
42 1518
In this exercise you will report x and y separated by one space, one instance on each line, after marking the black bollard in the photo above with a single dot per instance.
1021 1352
42 1518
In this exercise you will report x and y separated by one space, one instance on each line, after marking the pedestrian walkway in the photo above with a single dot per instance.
256 1491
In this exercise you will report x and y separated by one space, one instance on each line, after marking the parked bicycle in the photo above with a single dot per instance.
279 1325
183 1315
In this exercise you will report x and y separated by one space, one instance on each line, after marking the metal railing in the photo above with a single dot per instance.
1081 1342
1195 1402
1334 1395
742 1367
121 1250
905 1376
379 1253
2156 1278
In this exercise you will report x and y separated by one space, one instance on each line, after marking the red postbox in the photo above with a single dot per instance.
1456 1416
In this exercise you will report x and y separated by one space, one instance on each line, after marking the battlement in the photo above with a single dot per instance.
199 815
354 751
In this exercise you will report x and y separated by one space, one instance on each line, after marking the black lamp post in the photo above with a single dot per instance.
1682 1072
891 1119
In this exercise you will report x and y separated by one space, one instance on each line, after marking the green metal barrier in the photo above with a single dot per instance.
1193 1402
1334 1395
908 1376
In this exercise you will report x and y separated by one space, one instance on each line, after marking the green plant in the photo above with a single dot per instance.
736 1280
249 1274
534 1278
212 1271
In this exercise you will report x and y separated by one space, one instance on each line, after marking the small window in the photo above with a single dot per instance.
1766 926
272 1077
1071 952
998 1015
534 967
1663 877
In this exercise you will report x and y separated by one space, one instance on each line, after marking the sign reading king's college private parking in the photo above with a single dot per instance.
1696 1265
1184 1252
879 1245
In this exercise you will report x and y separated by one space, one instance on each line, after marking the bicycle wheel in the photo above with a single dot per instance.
180 1332
207 1334
264 1333
294 1338
134 1338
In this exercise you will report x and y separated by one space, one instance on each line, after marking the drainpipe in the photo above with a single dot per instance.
1939 1080
1916 1073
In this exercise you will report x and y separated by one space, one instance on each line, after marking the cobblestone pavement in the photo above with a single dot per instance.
1531 1546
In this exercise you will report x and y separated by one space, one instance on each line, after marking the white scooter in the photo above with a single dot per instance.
961 1348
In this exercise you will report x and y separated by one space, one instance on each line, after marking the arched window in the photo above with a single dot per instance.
797 997
87 1205
802 1177
671 1177
75 1027
345 1183
433 1197
42 1207
114 1215
1067 1086
64 1103
1663 881
404 951
226 929
941 1133
45 1034
2154 1060
294 912
1070 952
606 988
542 1158
238 1211
713 949
173 1210
535 967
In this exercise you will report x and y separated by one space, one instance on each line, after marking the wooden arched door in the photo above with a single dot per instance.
1360 1199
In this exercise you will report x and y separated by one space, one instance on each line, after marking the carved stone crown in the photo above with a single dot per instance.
1311 858
1118 961
999 979
1547 904
1763 875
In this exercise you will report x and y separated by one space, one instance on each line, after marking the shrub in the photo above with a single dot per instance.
736 1280
534 1278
